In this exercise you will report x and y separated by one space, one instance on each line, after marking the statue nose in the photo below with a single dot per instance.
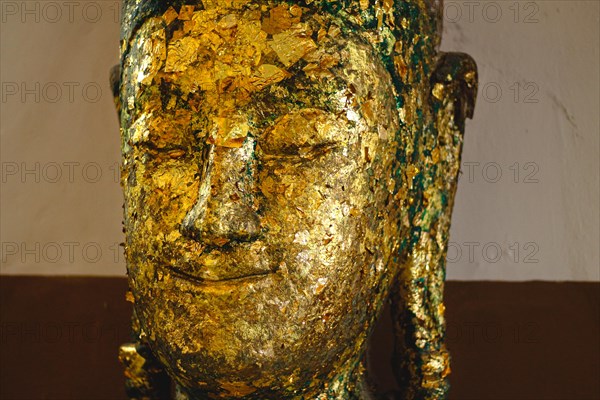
225 207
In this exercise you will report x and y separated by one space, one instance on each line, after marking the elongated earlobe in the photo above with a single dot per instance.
422 362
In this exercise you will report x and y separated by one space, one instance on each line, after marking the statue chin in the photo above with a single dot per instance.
265 345
286 170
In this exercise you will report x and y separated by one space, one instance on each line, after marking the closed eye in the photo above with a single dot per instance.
169 152
292 152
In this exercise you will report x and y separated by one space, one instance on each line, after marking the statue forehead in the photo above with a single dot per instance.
373 13
228 56
399 31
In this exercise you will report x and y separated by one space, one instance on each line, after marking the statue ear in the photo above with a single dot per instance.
455 81
421 358
115 84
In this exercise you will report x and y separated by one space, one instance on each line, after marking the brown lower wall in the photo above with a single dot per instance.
529 340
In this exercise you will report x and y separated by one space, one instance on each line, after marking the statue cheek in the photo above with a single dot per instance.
163 189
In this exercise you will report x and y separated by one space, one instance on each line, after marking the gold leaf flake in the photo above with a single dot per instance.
291 46
228 132
280 19
268 74
181 53
185 13
170 15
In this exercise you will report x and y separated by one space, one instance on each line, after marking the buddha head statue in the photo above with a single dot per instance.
288 167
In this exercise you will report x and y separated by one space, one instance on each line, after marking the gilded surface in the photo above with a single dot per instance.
287 167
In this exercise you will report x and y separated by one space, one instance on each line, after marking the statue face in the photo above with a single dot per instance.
260 219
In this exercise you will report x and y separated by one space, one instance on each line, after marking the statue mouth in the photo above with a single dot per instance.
225 280
237 263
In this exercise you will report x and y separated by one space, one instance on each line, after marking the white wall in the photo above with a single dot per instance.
75 216
541 213
536 123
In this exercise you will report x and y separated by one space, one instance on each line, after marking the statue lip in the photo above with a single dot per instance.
229 280
235 263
